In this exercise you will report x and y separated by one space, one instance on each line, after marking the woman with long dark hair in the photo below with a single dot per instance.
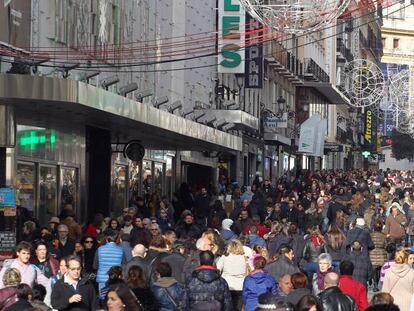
87 254
309 303
121 298
335 244
137 283
47 264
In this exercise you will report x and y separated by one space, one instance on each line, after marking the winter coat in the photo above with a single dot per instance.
362 266
255 284
176 262
361 235
7 297
136 261
107 256
207 290
312 251
169 293
332 299
227 235
276 242
233 269
146 297
378 255
399 282
256 240
395 226
63 291
280 267
185 231
40 305
49 268
19 306
354 289
294 296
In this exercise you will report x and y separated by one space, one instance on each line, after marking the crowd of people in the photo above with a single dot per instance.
318 241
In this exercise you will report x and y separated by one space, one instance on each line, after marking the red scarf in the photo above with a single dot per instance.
316 240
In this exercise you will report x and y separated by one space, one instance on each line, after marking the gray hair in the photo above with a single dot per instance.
63 226
325 257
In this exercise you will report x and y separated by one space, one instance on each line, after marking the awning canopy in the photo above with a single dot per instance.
85 104
277 138
328 90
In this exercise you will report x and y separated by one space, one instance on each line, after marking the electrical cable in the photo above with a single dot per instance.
210 54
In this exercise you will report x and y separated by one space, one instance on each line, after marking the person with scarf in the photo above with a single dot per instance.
314 246
324 267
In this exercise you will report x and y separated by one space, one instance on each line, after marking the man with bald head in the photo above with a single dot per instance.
332 298
138 255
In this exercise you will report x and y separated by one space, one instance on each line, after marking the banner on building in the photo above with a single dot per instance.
231 36
307 136
272 123
332 147
370 131
7 224
253 59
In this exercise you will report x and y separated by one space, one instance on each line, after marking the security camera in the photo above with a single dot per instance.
187 111
124 90
220 123
209 120
142 94
175 105
86 76
198 115
229 127
107 82
159 101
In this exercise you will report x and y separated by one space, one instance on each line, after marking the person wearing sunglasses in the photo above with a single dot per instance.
87 255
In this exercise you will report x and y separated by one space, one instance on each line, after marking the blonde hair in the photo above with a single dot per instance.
211 235
401 256
235 247
12 277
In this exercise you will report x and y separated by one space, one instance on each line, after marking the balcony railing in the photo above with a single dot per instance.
286 63
313 72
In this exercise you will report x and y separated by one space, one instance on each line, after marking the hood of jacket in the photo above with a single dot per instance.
259 277
254 238
400 270
206 275
226 224
165 282
227 234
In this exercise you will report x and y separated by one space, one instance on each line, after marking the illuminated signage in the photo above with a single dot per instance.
36 138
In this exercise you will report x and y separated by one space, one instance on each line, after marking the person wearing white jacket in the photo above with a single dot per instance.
233 267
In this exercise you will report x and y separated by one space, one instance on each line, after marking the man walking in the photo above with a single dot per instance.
73 293
332 298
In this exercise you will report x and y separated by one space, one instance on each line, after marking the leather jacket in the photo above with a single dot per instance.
333 299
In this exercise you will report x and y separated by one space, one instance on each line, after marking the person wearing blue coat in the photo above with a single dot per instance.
256 283
170 294
107 256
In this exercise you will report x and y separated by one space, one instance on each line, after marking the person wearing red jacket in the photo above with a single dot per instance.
352 287
262 230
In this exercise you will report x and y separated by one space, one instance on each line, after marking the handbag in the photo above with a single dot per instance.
176 306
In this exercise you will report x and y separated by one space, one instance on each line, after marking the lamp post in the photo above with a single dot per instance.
240 83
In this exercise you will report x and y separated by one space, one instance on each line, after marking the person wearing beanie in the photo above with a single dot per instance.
226 233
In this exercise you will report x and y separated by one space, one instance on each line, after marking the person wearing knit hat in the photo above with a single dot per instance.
226 233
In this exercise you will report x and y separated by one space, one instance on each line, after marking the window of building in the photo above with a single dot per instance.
396 43
383 41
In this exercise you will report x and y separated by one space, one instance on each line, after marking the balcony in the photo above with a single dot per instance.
285 63
343 54
313 72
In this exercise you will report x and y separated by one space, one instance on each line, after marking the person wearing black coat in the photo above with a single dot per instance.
332 298
23 293
71 293
360 234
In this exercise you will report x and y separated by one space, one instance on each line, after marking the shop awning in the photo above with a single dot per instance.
330 91
277 138
85 104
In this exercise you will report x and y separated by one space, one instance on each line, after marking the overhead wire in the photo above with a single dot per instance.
210 54
359 6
